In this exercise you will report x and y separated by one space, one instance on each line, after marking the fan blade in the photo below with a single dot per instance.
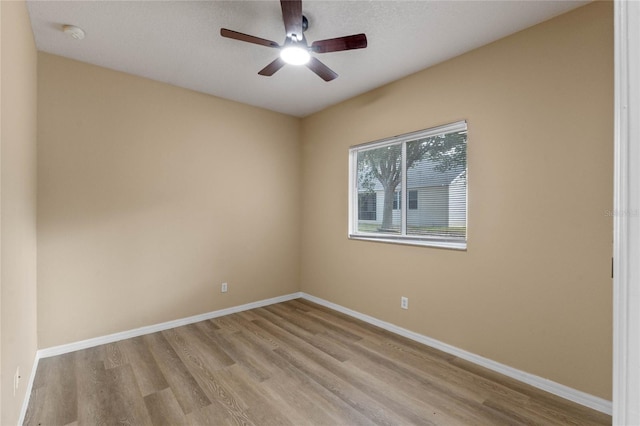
248 38
356 41
323 71
274 66
292 17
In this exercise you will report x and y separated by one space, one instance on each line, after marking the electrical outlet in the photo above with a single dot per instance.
223 288
16 381
404 302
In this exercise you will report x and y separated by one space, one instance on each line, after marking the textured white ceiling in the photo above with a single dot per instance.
179 42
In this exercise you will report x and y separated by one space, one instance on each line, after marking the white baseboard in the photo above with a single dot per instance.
550 386
558 389
96 341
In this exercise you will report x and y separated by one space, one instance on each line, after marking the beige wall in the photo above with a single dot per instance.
534 288
150 196
18 205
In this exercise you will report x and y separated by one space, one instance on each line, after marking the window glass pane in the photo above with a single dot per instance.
379 175
413 200
397 200
436 174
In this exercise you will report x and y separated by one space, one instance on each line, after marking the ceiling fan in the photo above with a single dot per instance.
295 50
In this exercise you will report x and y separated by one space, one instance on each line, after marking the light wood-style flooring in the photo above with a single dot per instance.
293 363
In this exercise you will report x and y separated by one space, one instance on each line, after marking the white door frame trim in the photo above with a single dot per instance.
626 215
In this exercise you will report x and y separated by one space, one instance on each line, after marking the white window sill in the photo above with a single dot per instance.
462 246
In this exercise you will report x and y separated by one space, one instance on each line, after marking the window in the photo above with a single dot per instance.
367 206
397 200
413 200
411 189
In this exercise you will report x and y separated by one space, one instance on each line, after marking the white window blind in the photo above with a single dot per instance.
411 188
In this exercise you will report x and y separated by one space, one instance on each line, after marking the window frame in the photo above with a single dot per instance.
403 238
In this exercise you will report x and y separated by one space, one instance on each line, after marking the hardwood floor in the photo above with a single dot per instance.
293 363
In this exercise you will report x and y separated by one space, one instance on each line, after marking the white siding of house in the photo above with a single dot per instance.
458 201
432 207
437 206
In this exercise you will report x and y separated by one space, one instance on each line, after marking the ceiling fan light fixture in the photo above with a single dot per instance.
295 55
295 50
